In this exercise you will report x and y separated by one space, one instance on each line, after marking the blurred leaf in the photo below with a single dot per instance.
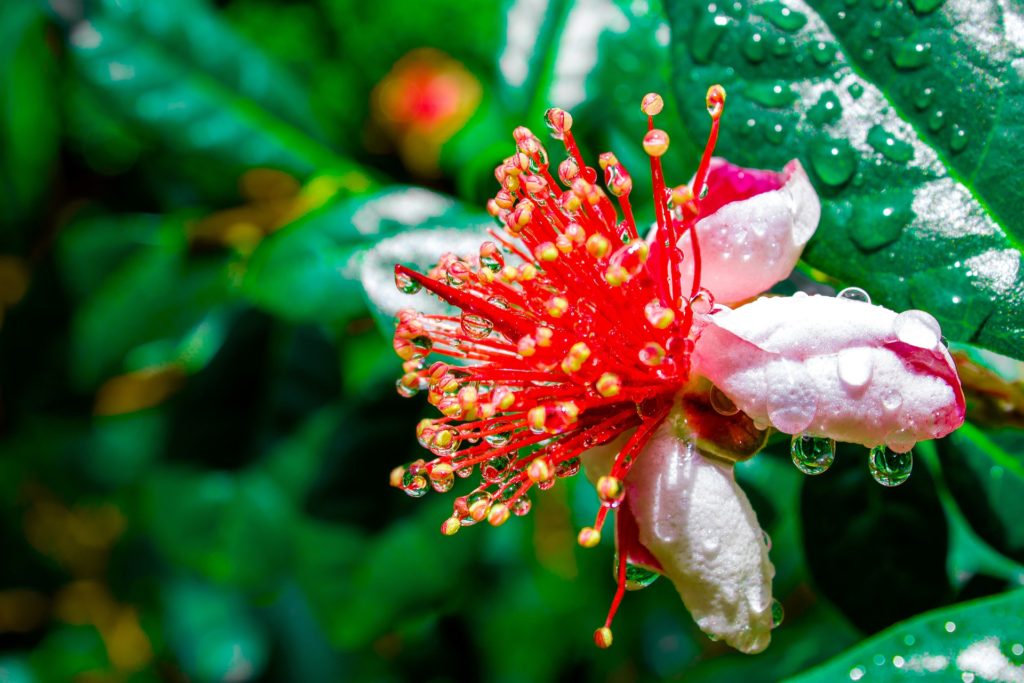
980 638
185 76
233 646
158 294
122 447
232 528
29 127
879 554
908 125
15 670
307 270
985 473
69 652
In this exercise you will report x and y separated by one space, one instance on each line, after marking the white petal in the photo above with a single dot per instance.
750 244
834 367
697 522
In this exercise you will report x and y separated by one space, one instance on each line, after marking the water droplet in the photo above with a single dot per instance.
722 404
792 399
405 284
709 30
475 326
826 110
774 133
780 15
781 47
833 160
754 47
702 302
774 95
491 257
958 139
812 454
567 468
637 577
917 328
892 401
937 120
875 31
822 53
868 55
767 540
888 467
856 673
910 54
923 98
499 439
950 626
445 442
414 485
778 614
493 469
520 506
925 6
442 478
855 90
709 547
889 146
854 367
854 294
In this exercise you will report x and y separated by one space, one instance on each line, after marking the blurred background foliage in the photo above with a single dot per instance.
197 404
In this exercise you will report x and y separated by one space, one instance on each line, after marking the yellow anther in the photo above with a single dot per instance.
498 514
603 637
656 142
509 274
609 385
652 104
589 537
544 336
598 246
478 510
527 346
563 244
557 307
395 478
682 195
715 100
607 159
536 418
616 275
546 251
451 526
610 490
540 470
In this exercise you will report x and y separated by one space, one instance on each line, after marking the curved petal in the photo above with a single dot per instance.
695 520
834 367
754 227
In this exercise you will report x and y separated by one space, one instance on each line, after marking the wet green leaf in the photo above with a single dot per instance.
183 75
906 121
979 640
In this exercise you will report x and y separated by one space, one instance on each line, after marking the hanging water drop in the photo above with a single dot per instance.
958 139
567 468
911 54
493 469
405 284
888 467
826 110
778 614
812 454
917 328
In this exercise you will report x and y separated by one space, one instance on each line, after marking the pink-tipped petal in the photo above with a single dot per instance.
754 226
834 367
696 521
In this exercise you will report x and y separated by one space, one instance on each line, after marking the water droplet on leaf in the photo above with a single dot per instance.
889 146
910 54
833 160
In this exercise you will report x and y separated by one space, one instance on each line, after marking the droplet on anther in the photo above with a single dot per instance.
715 101
610 490
589 537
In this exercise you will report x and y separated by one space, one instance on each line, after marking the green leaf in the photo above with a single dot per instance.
906 120
985 473
159 295
307 271
185 76
982 638
29 125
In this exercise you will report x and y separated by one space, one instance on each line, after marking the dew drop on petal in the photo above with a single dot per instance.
854 294
767 540
637 577
917 328
792 399
888 467
812 454
854 367
892 400
568 468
